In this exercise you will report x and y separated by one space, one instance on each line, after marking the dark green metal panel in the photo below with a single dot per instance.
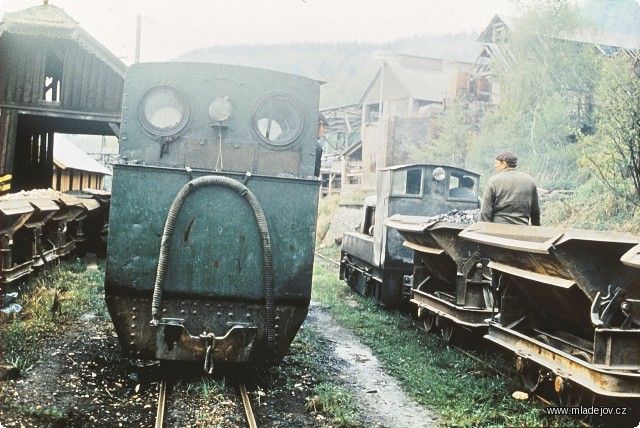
216 247
235 146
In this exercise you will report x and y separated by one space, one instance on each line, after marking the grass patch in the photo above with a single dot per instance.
333 400
50 300
208 388
462 390
328 396
582 210
50 415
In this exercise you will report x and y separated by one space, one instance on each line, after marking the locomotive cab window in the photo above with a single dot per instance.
462 187
163 111
278 120
407 182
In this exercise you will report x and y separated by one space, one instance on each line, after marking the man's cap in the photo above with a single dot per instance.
467 182
323 120
509 157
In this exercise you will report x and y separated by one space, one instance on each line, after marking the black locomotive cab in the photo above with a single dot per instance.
374 259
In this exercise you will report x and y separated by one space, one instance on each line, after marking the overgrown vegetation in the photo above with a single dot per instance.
568 105
452 137
51 300
301 363
336 402
546 81
327 208
462 390
581 210
325 212
613 152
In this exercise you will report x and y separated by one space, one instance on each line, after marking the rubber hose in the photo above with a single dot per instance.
167 234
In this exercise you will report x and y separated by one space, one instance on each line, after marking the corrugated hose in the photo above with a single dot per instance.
167 234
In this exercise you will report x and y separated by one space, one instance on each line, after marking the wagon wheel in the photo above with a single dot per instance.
583 355
350 278
531 379
572 394
534 379
429 321
543 338
447 330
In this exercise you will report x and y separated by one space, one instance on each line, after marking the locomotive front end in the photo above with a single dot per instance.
213 215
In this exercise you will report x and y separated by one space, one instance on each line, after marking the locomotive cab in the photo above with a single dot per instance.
374 264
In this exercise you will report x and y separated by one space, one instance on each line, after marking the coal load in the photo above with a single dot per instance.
455 216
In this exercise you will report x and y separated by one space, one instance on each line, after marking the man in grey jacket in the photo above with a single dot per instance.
511 196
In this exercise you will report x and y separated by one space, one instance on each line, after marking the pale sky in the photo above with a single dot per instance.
170 28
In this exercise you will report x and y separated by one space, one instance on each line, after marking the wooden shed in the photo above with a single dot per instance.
54 78
73 169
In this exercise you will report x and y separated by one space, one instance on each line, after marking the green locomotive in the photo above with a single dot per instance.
213 214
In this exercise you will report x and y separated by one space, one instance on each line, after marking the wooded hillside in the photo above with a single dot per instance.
347 68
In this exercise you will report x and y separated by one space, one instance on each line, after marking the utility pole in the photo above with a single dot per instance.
138 31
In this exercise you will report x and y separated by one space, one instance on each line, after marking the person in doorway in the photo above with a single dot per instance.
322 128
511 195
323 124
464 189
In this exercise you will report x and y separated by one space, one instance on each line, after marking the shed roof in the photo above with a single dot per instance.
50 21
428 85
497 24
606 38
67 155
424 79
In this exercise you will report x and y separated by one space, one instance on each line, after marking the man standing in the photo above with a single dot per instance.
323 123
511 196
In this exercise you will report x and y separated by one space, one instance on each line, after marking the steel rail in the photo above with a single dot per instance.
162 396
251 420
329 260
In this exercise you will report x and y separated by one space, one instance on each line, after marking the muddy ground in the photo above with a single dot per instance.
83 381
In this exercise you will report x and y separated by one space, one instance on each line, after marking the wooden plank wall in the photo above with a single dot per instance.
68 179
87 84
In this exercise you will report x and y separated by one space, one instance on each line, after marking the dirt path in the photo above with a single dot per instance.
379 396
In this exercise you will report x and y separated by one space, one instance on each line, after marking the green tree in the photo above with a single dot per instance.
545 81
613 152
449 139
452 135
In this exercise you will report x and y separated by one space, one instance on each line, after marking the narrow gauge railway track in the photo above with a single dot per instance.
330 263
162 398
493 369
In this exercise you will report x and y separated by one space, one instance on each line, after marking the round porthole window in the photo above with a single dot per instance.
163 111
278 120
